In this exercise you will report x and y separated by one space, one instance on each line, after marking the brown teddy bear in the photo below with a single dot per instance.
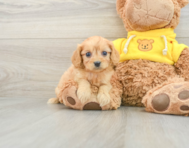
154 68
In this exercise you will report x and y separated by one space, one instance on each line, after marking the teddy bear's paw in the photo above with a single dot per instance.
71 100
170 99
92 106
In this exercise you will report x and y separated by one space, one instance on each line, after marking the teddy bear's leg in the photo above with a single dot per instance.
182 65
140 76
172 97
69 98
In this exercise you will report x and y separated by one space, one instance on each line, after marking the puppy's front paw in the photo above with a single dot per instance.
83 95
103 98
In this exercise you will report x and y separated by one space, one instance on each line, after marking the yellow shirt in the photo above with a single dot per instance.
155 45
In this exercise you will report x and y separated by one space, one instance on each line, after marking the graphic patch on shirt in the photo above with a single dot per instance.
145 45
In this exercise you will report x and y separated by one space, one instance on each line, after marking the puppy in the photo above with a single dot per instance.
93 65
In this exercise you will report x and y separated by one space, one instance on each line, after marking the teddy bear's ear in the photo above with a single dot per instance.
139 41
120 6
151 41
183 3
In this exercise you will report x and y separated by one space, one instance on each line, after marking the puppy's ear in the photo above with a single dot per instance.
77 58
120 6
183 3
115 57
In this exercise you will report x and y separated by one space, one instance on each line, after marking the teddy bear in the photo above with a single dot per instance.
145 45
154 67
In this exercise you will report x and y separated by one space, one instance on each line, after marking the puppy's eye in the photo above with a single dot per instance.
104 53
88 54
147 44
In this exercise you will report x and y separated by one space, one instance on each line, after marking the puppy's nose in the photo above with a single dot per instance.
97 63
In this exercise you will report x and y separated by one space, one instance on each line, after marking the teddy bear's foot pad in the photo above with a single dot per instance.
169 99
161 102
92 106
71 100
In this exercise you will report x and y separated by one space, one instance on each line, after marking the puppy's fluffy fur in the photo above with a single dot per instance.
86 74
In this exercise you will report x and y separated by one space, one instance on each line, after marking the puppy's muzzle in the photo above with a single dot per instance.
97 63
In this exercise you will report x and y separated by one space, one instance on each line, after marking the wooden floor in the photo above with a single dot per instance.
31 123
37 39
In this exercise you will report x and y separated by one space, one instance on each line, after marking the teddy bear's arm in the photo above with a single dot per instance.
118 44
182 65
